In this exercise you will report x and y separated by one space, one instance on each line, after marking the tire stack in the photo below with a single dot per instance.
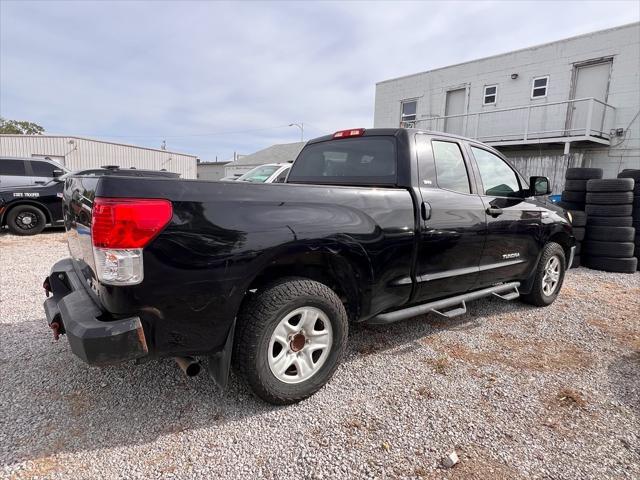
609 243
635 174
573 199
575 187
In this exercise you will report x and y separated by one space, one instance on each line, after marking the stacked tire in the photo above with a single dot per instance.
575 187
609 242
635 174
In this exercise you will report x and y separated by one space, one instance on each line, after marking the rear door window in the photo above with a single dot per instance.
12 168
451 171
349 161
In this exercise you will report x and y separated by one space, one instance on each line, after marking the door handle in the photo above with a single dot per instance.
494 211
425 211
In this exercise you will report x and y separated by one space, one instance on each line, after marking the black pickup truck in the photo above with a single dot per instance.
372 226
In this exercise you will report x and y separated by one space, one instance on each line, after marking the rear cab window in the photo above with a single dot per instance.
348 161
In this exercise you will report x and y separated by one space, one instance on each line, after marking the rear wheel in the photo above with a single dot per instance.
549 276
26 220
290 339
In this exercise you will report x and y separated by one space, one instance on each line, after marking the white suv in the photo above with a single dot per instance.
17 172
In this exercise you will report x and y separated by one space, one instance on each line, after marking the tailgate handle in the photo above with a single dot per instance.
425 211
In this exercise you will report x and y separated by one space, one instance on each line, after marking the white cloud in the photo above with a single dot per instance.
153 69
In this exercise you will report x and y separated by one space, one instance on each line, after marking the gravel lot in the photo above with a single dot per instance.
518 392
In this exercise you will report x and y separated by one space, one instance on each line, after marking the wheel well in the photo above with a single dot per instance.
326 269
562 239
45 210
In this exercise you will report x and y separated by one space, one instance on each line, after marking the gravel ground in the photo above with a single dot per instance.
518 392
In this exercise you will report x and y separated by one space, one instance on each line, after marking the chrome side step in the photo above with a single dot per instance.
506 291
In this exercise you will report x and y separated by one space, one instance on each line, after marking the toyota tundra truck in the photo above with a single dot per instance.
373 226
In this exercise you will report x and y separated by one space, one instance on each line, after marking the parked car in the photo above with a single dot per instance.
28 209
372 226
18 172
268 173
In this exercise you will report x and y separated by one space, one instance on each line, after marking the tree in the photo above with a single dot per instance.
17 127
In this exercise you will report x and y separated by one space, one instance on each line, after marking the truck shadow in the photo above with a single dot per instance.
53 403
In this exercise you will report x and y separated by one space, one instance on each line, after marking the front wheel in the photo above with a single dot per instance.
26 220
549 276
290 339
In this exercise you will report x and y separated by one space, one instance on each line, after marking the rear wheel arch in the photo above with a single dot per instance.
11 206
339 271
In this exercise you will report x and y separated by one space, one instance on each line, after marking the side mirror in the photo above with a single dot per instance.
539 186
58 173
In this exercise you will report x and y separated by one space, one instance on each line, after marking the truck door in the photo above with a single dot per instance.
452 220
513 222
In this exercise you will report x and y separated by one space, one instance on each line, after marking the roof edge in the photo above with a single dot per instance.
532 47
100 141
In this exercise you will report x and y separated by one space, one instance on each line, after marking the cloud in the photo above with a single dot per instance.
142 71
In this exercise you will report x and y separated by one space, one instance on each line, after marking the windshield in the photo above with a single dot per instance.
349 161
260 174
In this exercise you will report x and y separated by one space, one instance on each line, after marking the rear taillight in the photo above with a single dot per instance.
120 229
354 132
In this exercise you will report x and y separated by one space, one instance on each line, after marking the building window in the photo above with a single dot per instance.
539 87
490 96
408 113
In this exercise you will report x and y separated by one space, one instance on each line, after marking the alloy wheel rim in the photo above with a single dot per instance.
551 277
300 345
26 220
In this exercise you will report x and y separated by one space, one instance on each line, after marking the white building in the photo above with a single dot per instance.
571 102
279 153
77 153
211 170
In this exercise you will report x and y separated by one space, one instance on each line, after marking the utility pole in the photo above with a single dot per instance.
301 127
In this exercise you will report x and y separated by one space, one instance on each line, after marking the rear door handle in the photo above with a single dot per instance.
494 211
425 211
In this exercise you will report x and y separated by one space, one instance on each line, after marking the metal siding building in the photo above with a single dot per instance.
77 153
562 100
279 153
211 170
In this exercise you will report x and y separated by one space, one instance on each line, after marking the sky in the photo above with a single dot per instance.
213 78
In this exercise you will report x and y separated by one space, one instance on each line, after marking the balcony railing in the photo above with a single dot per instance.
572 120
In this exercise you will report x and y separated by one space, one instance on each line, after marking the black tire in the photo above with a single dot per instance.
609 198
579 232
609 221
579 219
578 248
26 220
571 206
537 296
256 323
575 185
576 261
576 197
635 174
609 249
583 173
618 265
610 185
608 210
611 234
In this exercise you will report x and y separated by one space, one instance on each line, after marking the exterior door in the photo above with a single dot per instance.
455 105
591 80
452 224
514 224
